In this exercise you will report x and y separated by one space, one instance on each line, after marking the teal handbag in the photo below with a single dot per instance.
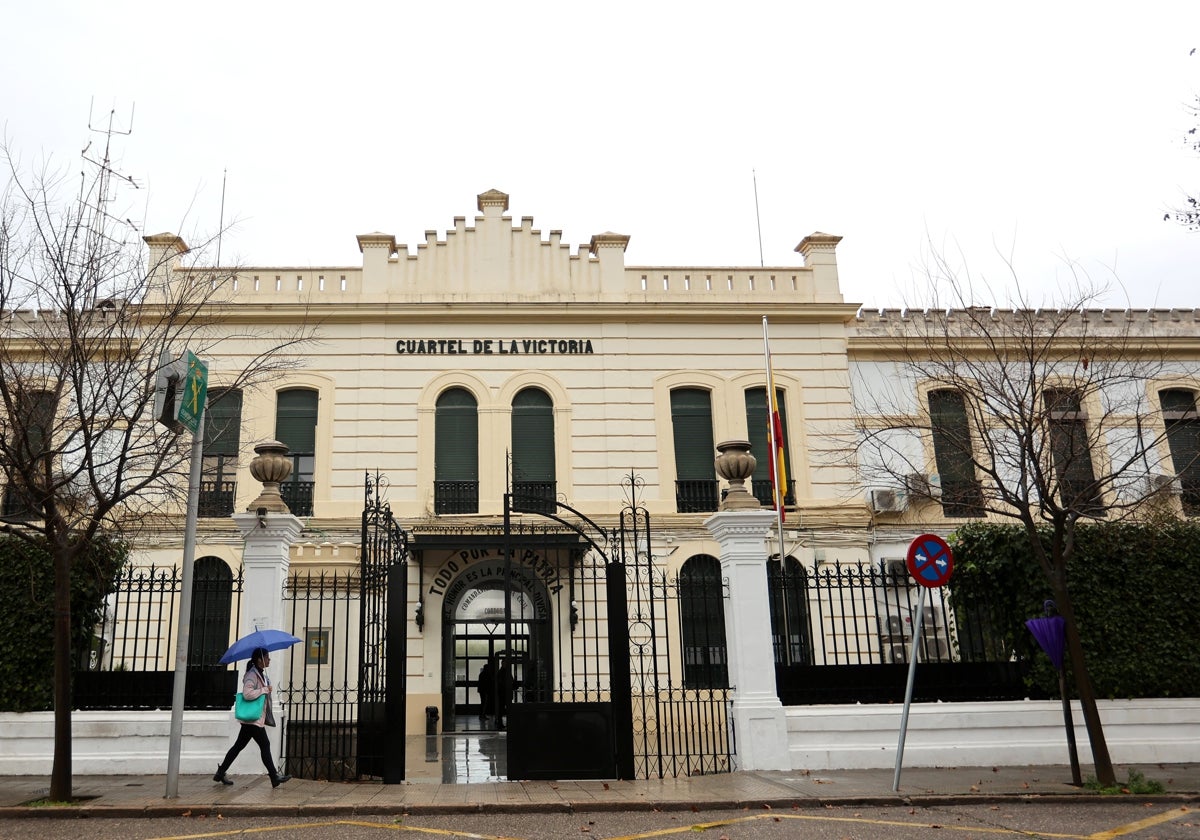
248 711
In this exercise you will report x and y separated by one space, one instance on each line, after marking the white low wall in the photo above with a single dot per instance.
118 743
819 737
982 734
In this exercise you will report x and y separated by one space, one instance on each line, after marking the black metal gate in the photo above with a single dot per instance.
620 707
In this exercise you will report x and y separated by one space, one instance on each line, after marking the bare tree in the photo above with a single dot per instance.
1048 417
1188 214
85 316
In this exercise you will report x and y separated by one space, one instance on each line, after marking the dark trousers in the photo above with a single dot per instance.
259 735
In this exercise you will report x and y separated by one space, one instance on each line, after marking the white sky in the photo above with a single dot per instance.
1051 130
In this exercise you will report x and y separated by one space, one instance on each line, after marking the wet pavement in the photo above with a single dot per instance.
465 773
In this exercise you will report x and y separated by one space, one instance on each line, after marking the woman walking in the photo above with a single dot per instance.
254 685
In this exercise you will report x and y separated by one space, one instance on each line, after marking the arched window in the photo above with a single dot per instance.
953 454
789 612
759 434
222 438
296 427
533 480
695 454
456 453
702 620
212 598
1183 437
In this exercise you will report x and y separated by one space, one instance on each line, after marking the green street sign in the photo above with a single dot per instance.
195 391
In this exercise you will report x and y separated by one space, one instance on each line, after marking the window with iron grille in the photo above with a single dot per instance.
456 453
789 612
222 438
962 495
296 428
1183 438
1072 452
533 479
758 432
695 454
212 598
702 623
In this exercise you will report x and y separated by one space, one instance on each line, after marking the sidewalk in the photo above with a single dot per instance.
143 796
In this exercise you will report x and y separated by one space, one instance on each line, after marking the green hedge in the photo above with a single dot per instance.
1136 593
27 615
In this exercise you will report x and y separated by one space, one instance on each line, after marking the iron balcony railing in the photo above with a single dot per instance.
216 498
761 488
534 496
455 497
697 495
298 496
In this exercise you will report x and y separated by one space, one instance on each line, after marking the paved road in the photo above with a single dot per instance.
1061 820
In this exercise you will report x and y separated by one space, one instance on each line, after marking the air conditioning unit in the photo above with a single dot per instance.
1159 483
896 654
893 568
935 650
889 501
924 486
931 616
892 625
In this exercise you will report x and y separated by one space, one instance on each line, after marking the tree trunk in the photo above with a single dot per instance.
60 772
1087 696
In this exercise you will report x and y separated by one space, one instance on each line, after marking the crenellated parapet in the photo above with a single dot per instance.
900 322
497 260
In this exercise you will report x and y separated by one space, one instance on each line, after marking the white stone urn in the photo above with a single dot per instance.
735 464
272 467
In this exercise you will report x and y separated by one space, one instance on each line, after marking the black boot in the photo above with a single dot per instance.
219 776
276 781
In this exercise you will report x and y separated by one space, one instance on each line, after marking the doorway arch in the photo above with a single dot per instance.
475 630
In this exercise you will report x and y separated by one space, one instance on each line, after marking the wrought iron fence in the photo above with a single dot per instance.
321 691
131 661
863 620
697 495
455 497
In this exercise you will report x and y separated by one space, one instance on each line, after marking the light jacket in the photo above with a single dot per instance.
253 685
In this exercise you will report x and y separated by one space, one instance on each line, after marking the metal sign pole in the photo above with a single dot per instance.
908 691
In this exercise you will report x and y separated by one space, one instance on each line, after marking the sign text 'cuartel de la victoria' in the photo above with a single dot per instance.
496 346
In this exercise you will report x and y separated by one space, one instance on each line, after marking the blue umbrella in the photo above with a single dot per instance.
244 647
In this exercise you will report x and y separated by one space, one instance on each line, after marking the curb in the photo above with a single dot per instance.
429 809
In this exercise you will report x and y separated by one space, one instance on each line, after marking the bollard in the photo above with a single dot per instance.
431 744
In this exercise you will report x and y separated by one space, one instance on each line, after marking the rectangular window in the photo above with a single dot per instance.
962 495
1072 453
1183 437
758 432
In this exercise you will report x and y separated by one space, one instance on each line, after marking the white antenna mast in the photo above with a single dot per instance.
757 219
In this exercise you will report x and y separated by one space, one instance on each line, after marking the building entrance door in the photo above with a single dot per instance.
487 659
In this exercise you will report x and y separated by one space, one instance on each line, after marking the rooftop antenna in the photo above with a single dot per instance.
757 219
104 165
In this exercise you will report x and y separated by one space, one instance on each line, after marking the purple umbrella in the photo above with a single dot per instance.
1051 636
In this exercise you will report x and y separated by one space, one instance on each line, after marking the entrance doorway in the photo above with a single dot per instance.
475 633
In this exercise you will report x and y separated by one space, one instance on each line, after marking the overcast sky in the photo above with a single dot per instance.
1049 132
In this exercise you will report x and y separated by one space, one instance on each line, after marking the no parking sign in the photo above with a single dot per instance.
930 561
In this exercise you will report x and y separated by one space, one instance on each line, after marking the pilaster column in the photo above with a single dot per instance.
759 721
269 530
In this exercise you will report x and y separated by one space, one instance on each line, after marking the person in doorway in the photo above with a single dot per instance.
254 685
487 690
504 690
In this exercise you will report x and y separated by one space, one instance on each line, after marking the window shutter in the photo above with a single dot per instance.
691 417
456 437
533 436
223 422
296 420
758 433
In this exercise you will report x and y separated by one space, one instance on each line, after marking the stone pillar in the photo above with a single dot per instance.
269 529
759 722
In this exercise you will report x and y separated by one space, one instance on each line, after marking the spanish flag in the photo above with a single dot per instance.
776 459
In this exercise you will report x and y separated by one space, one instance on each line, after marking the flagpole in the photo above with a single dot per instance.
778 495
